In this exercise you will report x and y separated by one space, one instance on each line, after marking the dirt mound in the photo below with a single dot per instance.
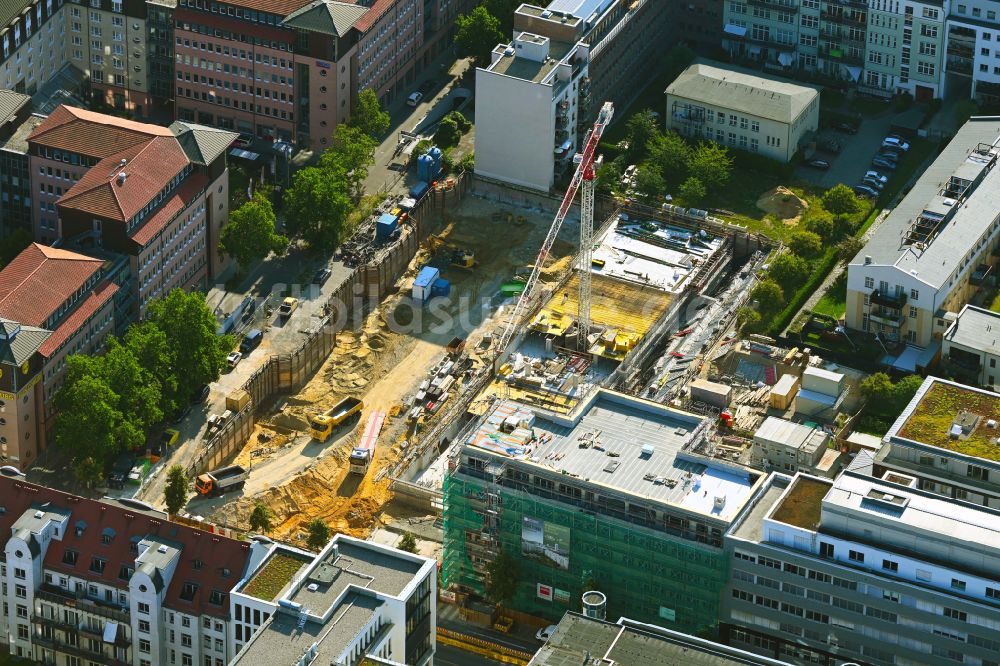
783 204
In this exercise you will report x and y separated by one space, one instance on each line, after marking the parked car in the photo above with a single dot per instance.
883 163
251 340
877 176
865 191
234 358
846 128
168 438
288 307
546 633
414 98
873 183
818 164
830 146
244 140
895 143
322 275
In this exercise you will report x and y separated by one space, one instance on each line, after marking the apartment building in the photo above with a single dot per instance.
905 49
156 195
935 249
750 112
613 496
972 51
970 346
32 43
53 303
946 440
16 122
865 570
354 600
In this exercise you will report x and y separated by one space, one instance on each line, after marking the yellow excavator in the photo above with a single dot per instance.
458 257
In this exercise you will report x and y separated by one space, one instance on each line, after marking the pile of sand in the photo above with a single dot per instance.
783 204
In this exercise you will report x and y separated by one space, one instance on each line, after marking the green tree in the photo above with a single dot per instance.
640 129
138 390
821 223
649 182
769 295
805 244
477 34
317 208
904 390
197 352
747 319
407 542
692 190
447 133
176 492
501 578
464 124
319 534
260 517
840 200
609 176
712 164
671 154
149 344
368 116
348 158
849 248
250 233
88 425
877 388
789 270
503 10
468 162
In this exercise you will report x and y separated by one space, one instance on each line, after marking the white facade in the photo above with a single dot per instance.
527 107
29 60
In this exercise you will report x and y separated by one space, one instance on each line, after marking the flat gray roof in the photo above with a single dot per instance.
935 264
635 644
627 444
751 527
520 67
794 435
282 642
976 328
751 93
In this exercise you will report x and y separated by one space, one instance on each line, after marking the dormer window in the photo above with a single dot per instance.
107 535
80 526
188 591
70 557
198 564
217 598
97 564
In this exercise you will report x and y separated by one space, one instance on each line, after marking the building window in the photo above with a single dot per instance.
961 616
889 565
869 283
957 584
856 556
913 312
825 549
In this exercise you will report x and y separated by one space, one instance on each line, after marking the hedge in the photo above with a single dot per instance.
823 267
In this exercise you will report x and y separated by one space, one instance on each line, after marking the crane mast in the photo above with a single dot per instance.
584 167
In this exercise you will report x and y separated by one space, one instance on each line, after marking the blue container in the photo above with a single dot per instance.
441 287
385 226
425 168
419 189
435 154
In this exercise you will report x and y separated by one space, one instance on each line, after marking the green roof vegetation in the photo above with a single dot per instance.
803 503
932 419
273 578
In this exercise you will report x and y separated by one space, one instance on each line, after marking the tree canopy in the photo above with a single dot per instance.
176 492
407 542
477 34
260 517
789 270
712 164
649 182
769 296
368 116
840 200
671 153
805 244
501 578
319 534
640 129
250 233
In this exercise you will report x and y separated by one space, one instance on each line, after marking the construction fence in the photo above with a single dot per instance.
369 283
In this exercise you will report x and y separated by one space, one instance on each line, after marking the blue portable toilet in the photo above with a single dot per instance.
441 287
385 226
424 283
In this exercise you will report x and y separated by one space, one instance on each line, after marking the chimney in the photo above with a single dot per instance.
868 259
121 177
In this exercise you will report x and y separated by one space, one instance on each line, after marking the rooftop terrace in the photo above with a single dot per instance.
802 505
631 445
953 417
274 576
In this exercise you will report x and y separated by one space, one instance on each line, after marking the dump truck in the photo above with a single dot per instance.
221 480
321 426
363 454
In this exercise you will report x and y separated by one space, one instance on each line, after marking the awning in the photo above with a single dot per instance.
110 632
906 361
737 30
855 73
785 59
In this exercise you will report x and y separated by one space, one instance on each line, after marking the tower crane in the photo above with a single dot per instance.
585 174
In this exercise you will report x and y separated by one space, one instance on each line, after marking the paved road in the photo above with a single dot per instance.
453 656
855 156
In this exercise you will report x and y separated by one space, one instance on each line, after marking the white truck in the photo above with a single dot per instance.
221 480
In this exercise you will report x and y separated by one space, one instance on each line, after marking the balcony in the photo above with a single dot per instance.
843 37
894 301
80 651
959 65
979 275
840 55
58 595
779 5
845 18
887 316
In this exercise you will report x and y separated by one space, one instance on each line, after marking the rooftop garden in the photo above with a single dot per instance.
803 504
933 417
273 577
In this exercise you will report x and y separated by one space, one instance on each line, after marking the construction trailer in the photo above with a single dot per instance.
424 283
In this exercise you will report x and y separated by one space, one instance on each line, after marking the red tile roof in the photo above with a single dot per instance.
378 8
39 280
204 558
277 7
178 201
93 134
91 304
149 167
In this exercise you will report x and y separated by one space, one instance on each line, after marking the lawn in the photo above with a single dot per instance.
803 503
834 301
934 415
270 580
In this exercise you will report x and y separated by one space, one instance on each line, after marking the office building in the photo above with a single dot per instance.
946 440
613 495
905 50
353 600
793 447
53 303
750 112
16 122
863 570
934 250
156 195
32 43
970 345
971 50
582 639
564 61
